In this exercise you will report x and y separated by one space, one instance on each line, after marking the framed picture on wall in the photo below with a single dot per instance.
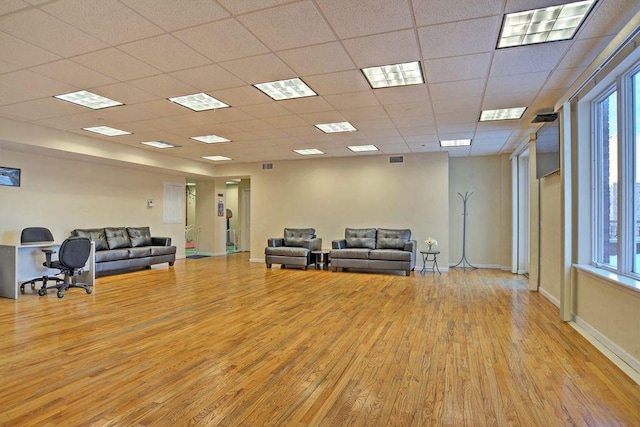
9 177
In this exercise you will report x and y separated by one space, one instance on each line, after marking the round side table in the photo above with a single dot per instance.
430 257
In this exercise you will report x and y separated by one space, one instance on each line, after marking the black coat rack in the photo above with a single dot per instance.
464 260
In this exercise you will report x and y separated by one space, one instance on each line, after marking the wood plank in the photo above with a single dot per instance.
221 341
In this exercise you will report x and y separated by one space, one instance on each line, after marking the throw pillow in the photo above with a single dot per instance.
139 236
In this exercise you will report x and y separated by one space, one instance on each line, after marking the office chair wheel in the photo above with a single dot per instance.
42 292
88 290
60 294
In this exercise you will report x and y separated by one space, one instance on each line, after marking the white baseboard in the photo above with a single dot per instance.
256 260
550 297
622 359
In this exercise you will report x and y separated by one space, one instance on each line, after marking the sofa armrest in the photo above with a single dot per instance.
161 241
339 244
411 246
275 242
314 244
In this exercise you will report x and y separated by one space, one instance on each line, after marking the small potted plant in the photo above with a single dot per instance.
431 242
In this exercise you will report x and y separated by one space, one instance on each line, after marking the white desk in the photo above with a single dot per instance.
24 262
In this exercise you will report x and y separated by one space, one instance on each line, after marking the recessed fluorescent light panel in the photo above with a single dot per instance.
199 102
336 127
88 99
547 24
159 144
361 148
210 139
308 151
455 143
216 158
286 89
106 130
502 114
405 74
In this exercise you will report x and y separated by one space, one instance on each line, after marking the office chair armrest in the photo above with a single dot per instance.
47 254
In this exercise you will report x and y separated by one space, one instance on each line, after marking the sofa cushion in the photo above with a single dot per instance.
390 255
291 251
353 253
94 234
112 255
117 237
139 236
360 237
392 239
140 252
296 236
162 250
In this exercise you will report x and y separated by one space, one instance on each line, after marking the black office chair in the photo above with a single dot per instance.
33 235
72 256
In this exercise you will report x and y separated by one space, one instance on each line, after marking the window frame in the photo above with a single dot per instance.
626 162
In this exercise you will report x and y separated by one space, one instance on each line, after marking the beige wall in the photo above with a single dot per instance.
364 191
63 194
609 312
550 237
489 210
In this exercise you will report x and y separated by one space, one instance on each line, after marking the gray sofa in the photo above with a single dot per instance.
294 249
374 249
127 248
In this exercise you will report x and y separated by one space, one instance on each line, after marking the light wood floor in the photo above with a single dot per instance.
221 341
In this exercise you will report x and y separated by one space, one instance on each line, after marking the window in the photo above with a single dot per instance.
616 161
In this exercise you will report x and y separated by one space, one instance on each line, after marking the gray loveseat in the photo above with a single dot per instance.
127 248
294 249
374 249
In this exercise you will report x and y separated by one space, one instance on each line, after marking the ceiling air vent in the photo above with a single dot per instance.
542 118
267 166
396 159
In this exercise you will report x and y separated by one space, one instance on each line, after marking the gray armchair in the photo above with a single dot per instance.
294 249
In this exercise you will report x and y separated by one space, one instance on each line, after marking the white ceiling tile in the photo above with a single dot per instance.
529 82
241 96
73 73
314 118
8 6
266 110
75 121
402 94
413 109
165 53
285 122
459 38
441 11
352 100
384 49
302 22
21 53
245 6
608 18
341 82
47 32
227 115
528 59
419 133
460 117
365 113
10 94
456 127
117 64
163 86
318 59
583 52
424 147
364 17
563 78
127 113
403 122
40 85
89 16
259 69
172 15
312 104
126 93
452 105
161 108
461 89
40 109
222 40
5 67
466 67
208 77
508 100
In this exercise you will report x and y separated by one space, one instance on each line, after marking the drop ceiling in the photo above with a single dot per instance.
141 52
